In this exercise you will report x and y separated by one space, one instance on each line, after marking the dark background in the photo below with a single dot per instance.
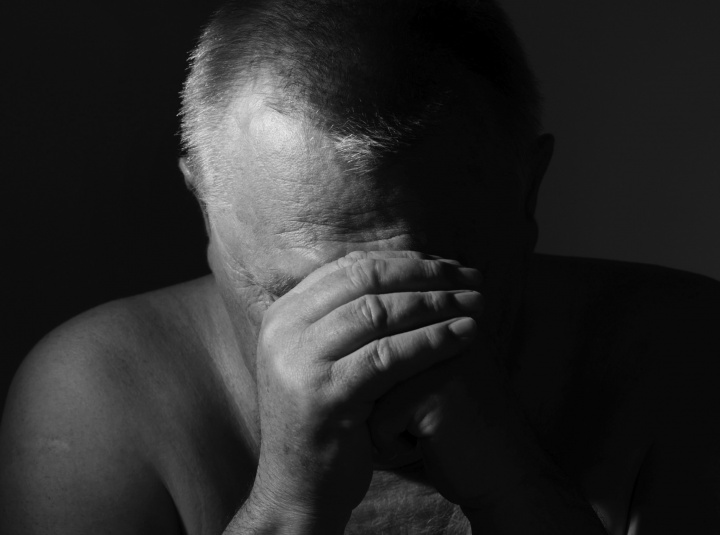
96 208
633 94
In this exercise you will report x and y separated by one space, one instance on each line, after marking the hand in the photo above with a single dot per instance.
473 437
329 349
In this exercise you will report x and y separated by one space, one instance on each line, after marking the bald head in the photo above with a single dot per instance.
374 75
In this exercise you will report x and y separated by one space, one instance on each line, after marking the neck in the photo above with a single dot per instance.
231 344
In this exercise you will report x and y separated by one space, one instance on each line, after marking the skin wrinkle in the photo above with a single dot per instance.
295 209
301 234
285 198
306 230
273 283
334 220
348 221
289 198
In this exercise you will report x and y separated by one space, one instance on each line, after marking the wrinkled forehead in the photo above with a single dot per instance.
295 206
284 173
286 165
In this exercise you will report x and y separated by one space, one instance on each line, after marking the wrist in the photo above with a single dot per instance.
266 514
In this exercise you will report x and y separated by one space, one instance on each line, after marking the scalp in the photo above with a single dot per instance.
374 74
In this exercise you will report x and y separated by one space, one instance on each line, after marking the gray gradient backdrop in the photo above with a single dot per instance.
633 97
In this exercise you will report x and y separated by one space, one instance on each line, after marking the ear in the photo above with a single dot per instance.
191 180
539 163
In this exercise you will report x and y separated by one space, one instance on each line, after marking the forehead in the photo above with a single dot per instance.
294 204
290 155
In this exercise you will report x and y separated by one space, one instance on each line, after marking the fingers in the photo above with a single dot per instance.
412 410
391 418
355 256
373 370
348 259
382 276
372 316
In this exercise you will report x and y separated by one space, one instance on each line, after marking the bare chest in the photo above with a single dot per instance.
594 403
405 503
395 504
598 439
208 487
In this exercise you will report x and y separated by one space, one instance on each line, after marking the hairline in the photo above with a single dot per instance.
204 112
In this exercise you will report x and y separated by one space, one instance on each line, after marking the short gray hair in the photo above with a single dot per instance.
366 70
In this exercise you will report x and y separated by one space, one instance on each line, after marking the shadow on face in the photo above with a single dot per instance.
293 206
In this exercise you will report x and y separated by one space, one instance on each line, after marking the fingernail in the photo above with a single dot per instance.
463 328
469 300
473 276
449 261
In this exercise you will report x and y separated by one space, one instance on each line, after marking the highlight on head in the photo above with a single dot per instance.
372 74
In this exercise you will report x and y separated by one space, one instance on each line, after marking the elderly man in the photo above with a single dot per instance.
377 349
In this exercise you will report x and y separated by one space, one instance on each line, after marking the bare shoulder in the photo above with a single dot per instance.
642 301
649 348
633 329
74 436
644 319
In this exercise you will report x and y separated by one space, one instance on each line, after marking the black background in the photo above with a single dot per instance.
96 207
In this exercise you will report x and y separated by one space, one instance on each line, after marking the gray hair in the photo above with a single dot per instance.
367 71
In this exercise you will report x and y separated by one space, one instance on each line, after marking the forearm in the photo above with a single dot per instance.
257 516
541 507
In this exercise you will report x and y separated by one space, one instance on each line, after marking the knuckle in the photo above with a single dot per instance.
365 274
381 355
277 335
351 258
434 337
358 255
372 310
436 301
436 268
270 332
